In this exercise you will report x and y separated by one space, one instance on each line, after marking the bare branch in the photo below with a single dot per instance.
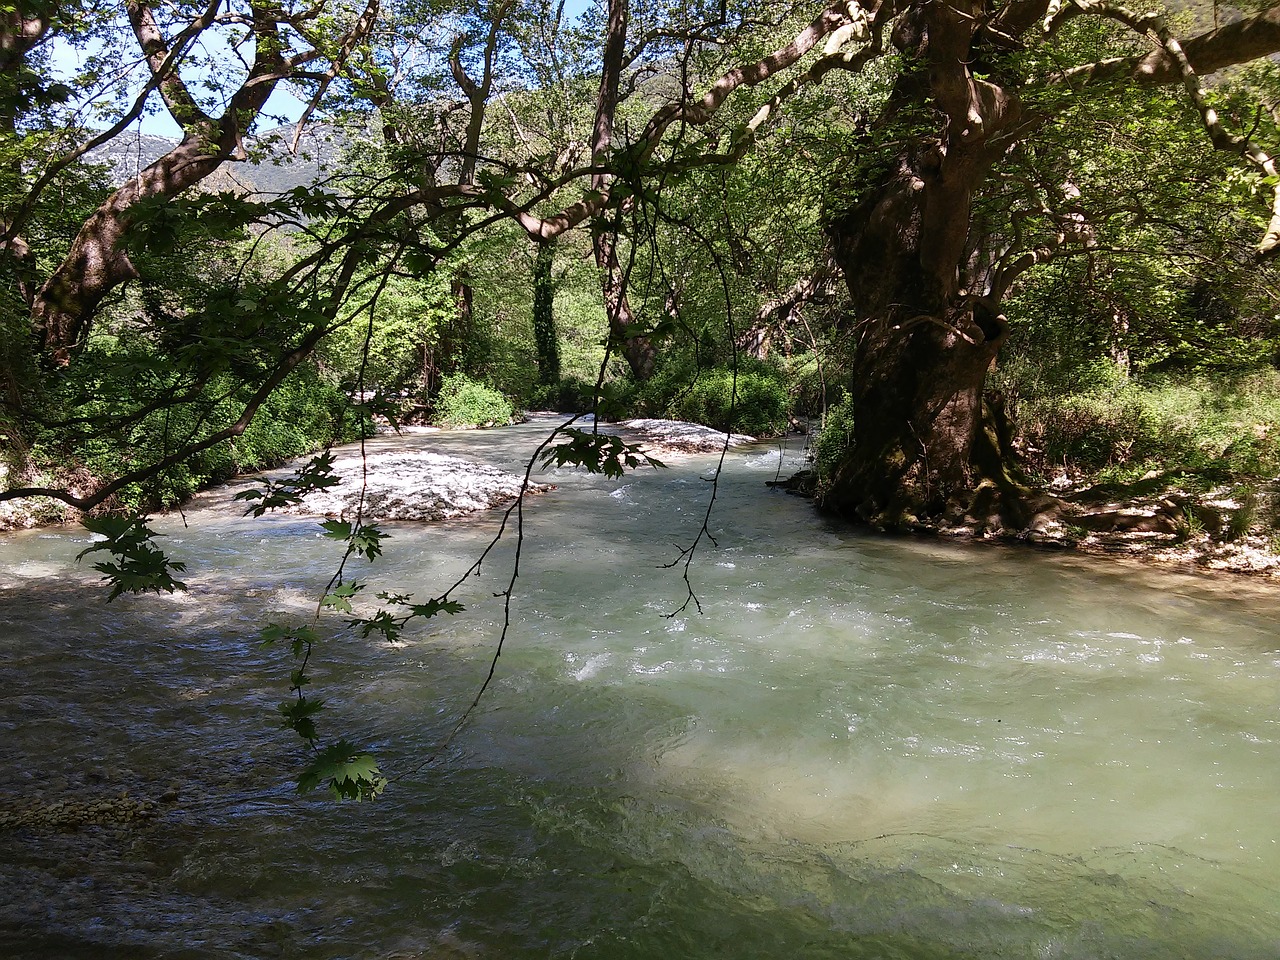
353 37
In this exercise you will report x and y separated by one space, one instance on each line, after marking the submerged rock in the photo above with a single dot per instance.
414 486
69 813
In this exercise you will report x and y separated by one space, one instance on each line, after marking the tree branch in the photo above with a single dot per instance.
1174 54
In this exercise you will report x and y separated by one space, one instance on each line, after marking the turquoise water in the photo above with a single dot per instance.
860 748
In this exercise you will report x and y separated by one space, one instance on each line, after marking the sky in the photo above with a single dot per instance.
67 60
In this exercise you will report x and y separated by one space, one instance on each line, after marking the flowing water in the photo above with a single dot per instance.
860 748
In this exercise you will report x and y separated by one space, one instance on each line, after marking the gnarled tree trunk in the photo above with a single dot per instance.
925 446
928 446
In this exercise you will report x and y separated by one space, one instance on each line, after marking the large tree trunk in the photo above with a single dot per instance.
922 355
929 445
624 327
926 448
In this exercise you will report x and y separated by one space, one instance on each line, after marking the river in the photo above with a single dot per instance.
860 748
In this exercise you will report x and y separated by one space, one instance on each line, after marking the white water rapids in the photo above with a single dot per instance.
861 748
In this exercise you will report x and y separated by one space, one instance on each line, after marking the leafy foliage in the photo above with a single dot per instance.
756 401
463 402
598 453
834 439
315 474
349 773
545 338
363 539
92 427
139 566
391 626
1122 428
398 348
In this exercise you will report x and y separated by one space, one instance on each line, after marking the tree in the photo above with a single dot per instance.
308 45
927 278
948 194
544 319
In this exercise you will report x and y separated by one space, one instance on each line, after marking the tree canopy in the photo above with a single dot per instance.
723 163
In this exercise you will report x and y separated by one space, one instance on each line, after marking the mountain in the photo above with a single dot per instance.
271 168
129 153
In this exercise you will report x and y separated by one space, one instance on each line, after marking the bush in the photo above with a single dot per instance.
463 402
762 407
834 439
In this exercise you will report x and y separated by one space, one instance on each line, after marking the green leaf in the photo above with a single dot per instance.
350 774
139 566
274 632
340 597
337 529
367 541
316 474
598 453
298 716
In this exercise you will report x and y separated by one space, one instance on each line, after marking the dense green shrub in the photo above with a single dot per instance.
808 377
759 403
463 402
833 439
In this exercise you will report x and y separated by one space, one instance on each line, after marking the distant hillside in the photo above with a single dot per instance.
271 169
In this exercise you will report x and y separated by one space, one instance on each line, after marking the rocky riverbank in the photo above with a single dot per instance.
1210 532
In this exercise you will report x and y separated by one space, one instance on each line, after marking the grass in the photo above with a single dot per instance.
1218 427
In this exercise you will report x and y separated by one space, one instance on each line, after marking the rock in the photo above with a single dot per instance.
1126 521
69 814
414 486
802 484
680 437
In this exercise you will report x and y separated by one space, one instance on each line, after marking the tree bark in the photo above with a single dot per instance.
97 262
926 447
921 360
640 353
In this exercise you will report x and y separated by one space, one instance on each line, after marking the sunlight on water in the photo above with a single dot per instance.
859 748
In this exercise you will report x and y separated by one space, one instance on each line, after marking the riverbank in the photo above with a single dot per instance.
1212 532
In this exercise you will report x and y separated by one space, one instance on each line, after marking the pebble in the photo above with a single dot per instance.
68 814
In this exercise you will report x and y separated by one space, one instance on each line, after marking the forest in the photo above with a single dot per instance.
992 252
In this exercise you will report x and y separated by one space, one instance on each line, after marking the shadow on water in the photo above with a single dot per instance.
513 849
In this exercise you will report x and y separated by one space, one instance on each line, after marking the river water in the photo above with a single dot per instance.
861 747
